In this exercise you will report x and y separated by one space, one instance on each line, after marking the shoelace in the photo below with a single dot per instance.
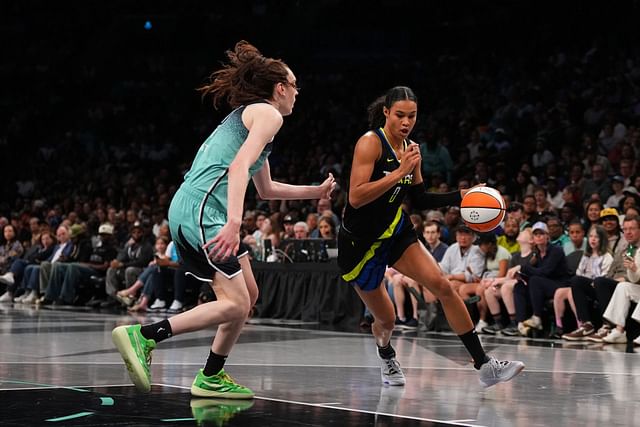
499 365
393 366
226 377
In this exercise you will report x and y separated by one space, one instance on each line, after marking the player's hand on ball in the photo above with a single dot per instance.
466 190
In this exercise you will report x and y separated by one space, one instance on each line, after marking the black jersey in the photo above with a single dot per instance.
383 214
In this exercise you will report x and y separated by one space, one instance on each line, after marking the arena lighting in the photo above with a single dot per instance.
148 25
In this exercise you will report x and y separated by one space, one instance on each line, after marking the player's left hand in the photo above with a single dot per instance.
327 187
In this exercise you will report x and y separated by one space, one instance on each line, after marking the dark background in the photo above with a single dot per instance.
80 78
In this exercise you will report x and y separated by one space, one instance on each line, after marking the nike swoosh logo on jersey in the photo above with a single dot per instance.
390 160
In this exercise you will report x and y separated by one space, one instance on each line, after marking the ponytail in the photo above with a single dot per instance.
376 113
247 77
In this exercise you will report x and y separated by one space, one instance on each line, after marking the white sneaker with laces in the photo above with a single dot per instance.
390 370
615 337
7 278
496 371
6 297
481 324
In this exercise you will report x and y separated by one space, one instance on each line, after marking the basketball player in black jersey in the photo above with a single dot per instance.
377 233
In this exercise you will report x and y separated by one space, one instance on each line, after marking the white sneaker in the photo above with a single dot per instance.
7 278
637 340
21 297
524 330
31 298
496 371
533 322
175 307
6 297
481 324
158 305
390 370
615 337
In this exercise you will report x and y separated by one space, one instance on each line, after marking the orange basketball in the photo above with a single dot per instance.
482 209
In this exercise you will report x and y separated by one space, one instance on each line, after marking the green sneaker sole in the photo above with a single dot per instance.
200 392
137 373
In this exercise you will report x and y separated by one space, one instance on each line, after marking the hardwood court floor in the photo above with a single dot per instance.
59 367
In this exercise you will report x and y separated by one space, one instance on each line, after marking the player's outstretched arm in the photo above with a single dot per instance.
269 189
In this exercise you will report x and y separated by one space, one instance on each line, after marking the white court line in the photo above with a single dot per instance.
50 386
341 408
294 365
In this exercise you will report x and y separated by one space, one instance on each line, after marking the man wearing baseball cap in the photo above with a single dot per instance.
127 266
463 261
76 273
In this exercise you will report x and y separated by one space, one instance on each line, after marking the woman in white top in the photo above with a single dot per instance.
595 262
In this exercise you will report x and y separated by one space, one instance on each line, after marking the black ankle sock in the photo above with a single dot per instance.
159 331
386 352
498 319
215 362
512 317
472 343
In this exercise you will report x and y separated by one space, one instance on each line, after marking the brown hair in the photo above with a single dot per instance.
247 77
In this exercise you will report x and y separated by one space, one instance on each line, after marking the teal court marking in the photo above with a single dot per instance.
70 417
106 401
44 385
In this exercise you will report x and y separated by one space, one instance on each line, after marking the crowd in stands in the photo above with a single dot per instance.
95 155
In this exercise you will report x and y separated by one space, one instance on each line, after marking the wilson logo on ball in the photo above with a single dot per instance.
482 209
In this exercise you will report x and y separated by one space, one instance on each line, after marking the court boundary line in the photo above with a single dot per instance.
340 408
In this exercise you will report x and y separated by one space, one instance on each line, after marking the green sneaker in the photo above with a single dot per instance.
217 411
136 353
219 385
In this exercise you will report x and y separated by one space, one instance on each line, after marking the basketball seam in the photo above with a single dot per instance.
482 207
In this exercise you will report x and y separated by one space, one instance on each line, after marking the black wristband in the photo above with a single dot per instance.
423 200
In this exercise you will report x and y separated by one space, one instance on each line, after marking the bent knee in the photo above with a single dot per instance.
386 324
237 309
442 288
